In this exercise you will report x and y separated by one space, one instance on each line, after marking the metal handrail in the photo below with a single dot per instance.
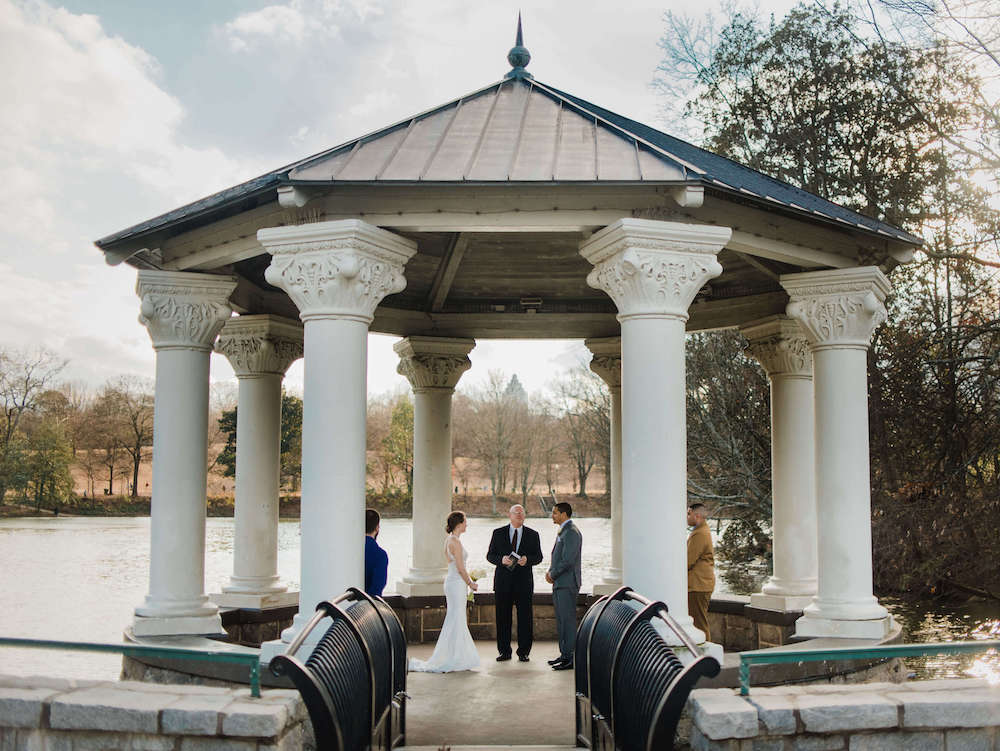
320 614
781 655
663 614
252 661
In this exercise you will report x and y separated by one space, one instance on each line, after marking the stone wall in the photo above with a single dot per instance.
738 626
254 627
422 617
49 713
734 623
944 715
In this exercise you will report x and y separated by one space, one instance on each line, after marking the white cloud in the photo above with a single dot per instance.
295 21
80 99
373 102
280 23
91 144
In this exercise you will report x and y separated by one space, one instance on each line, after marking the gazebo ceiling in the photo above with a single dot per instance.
498 188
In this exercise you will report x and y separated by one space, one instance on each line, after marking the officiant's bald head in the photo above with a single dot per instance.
516 515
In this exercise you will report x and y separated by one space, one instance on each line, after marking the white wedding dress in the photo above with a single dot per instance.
455 649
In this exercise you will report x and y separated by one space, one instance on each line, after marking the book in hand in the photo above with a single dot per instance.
514 558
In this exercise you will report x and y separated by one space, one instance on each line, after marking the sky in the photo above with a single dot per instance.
117 111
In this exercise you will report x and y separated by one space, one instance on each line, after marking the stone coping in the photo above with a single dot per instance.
917 714
53 706
404 602
252 615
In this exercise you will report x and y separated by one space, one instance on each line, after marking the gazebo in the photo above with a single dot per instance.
520 211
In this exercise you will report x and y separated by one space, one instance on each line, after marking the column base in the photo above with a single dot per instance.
271 649
780 603
255 585
686 623
256 600
813 627
420 589
607 588
191 625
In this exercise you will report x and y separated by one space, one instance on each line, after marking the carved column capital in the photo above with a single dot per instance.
653 268
607 359
337 269
430 362
183 310
780 346
838 308
260 344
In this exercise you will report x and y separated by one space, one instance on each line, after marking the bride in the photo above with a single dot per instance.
455 649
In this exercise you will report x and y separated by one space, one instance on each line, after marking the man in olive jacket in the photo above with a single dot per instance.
565 575
701 567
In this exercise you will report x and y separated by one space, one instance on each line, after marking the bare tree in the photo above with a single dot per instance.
108 422
585 412
968 31
137 422
529 444
489 416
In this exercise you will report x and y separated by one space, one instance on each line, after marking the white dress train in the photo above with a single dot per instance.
455 649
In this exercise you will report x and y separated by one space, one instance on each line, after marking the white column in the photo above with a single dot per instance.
260 349
183 314
607 363
336 273
433 366
653 270
780 346
839 310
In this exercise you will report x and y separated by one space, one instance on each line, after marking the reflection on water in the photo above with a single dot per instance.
933 621
79 579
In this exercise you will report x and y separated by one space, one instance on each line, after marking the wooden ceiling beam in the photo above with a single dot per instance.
446 271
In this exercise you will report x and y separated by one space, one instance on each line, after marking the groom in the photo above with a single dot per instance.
514 549
564 575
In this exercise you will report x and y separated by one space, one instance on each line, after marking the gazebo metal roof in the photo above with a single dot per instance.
498 188
519 130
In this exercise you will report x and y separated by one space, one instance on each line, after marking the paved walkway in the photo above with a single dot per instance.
503 703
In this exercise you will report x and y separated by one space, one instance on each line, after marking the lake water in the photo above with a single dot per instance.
79 578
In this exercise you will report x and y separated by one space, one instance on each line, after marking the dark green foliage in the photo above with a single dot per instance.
729 441
291 441
398 443
823 101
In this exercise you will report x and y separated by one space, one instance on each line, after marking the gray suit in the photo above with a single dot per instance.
566 577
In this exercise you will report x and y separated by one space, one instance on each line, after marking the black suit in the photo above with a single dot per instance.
515 587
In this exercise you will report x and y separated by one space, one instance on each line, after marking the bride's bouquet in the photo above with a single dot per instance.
475 574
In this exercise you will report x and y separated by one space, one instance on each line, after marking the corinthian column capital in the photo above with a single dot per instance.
652 268
260 344
337 269
607 359
838 308
430 362
780 346
183 310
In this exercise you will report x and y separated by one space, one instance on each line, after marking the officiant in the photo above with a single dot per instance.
514 549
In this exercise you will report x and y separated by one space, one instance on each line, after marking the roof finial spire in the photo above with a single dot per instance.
519 57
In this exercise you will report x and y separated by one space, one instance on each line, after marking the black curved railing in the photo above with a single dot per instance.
630 685
354 681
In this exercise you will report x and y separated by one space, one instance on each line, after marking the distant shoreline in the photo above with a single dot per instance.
475 506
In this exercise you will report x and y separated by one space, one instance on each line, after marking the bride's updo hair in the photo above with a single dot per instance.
454 519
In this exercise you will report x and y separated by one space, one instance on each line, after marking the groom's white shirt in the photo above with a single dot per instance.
559 532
